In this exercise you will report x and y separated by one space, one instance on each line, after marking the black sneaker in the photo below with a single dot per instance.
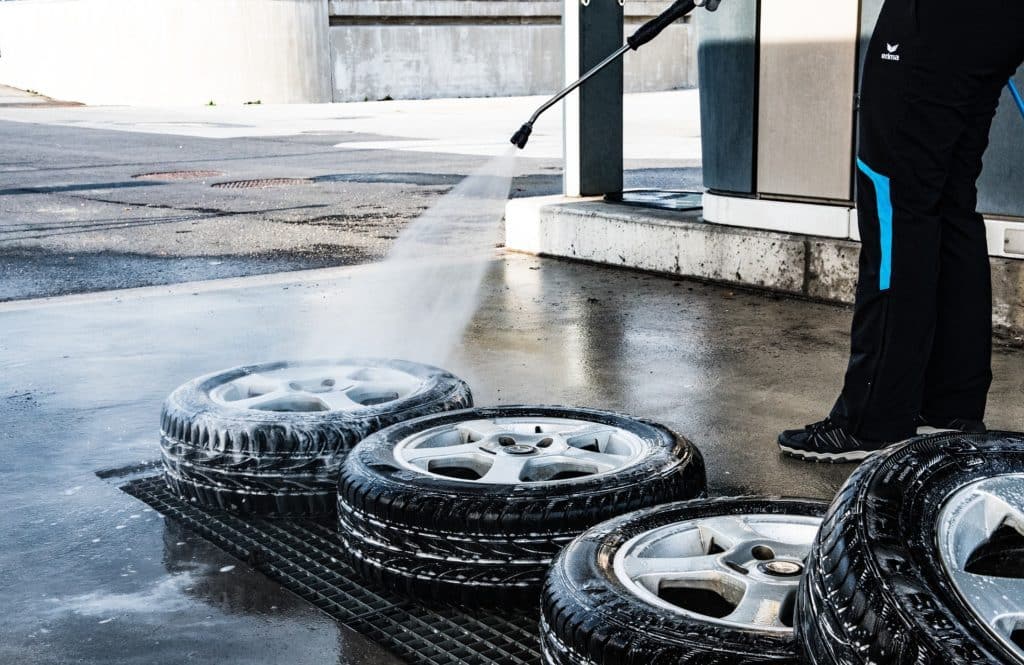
827 441
930 425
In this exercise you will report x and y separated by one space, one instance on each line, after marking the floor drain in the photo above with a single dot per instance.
178 175
262 183
304 557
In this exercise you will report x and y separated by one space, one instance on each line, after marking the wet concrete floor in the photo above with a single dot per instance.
90 575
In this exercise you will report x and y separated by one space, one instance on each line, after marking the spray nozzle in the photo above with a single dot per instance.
523 135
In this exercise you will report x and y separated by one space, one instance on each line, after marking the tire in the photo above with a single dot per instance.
478 542
879 587
280 457
593 612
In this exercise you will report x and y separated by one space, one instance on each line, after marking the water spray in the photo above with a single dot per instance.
646 33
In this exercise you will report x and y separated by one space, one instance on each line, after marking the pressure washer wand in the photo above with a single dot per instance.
646 33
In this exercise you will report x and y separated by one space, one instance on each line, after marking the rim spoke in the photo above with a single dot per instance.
789 550
374 386
260 400
476 430
603 461
505 469
733 530
657 569
335 400
259 383
1000 512
419 456
589 434
359 374
993 597
761 604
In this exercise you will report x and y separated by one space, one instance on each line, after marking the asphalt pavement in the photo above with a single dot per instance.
109 198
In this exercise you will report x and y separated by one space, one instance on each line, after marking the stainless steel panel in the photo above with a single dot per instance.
806 98
593 114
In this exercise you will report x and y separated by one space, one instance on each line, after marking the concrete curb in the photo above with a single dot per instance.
685 245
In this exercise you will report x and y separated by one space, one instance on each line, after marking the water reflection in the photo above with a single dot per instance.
222 582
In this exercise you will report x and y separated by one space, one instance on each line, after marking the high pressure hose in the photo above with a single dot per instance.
1016 96
646 33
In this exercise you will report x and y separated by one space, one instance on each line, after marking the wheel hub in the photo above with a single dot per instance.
781 568
519 449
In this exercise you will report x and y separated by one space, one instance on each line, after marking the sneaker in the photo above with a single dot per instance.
929 425
827 441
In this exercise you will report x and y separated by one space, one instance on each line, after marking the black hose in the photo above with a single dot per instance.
646 33
655 26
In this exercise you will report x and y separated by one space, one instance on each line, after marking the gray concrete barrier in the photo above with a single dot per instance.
413 49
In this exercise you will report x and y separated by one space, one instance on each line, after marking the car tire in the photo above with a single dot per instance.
894 574
436 533
604 602
268 439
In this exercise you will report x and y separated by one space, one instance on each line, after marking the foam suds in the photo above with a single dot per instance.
416 304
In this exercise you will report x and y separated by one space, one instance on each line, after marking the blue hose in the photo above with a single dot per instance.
1016 96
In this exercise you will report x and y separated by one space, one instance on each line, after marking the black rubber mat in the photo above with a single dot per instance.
303 556
661 199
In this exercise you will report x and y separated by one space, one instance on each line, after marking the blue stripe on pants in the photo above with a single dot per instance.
883 195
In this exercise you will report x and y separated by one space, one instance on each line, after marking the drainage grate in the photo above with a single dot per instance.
262 183
178 175
303 556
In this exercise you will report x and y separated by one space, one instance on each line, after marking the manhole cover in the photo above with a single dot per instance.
262 183
178 175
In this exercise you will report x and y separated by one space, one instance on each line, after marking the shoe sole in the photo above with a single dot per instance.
846 457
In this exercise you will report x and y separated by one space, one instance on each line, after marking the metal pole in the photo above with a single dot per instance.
593 117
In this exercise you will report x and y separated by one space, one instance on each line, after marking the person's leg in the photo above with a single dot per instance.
912 118
960 369
899 182
907 138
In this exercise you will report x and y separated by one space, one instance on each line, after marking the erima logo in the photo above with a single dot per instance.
891 53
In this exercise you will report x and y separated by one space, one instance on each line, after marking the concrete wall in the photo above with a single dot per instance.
410 49
167 51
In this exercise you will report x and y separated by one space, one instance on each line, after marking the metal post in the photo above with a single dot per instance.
593 115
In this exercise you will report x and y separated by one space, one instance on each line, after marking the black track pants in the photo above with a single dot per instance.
922 327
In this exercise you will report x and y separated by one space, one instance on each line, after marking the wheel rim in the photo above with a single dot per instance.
520 451
740 571
316 388
981 543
